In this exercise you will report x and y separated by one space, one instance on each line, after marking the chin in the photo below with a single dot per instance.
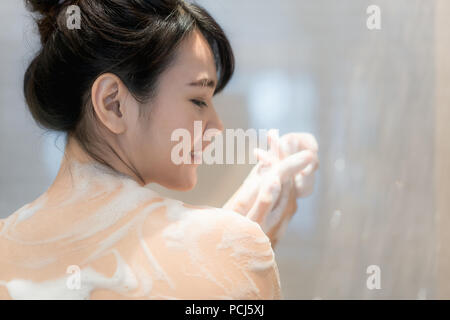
184 186
188 185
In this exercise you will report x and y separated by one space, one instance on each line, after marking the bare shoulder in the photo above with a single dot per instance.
227 224
233 225
224 255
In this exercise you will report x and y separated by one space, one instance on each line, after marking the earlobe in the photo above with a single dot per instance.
107 102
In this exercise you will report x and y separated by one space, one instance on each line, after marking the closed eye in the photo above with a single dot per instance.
199 103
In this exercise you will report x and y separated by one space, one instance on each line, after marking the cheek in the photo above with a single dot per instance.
183 123
156 144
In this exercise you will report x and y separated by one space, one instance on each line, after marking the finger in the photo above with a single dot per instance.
265 161
296 142
263 156
276 215
293 164
274 144
269 193
304 185
247 193
310 168
288 146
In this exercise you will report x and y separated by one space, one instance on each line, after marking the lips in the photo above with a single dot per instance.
196 157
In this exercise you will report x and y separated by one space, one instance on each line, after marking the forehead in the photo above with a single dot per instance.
194 60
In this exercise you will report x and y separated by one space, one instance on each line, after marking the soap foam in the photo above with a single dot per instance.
182 229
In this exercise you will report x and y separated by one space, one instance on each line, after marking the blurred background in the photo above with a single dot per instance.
377 102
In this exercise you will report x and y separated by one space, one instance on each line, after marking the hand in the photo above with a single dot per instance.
283 174
296 142
286 173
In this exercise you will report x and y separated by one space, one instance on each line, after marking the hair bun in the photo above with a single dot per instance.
48 9
44 7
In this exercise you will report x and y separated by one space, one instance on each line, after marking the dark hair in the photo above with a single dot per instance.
134 39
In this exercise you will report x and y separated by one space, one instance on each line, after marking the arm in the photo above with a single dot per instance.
243 201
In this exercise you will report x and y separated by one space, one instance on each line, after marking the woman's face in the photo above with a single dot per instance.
177 105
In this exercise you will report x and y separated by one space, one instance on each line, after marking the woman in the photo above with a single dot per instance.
119 86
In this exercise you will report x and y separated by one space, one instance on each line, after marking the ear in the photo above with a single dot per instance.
108 95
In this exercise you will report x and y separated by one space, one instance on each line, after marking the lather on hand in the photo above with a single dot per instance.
284 173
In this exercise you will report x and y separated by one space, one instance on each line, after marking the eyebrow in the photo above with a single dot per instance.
204 82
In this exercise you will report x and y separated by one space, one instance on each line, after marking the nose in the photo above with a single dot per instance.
220 125
215 122
213 128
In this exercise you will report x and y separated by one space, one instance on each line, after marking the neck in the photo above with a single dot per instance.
76 156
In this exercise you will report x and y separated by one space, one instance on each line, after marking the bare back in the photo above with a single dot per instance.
113 239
